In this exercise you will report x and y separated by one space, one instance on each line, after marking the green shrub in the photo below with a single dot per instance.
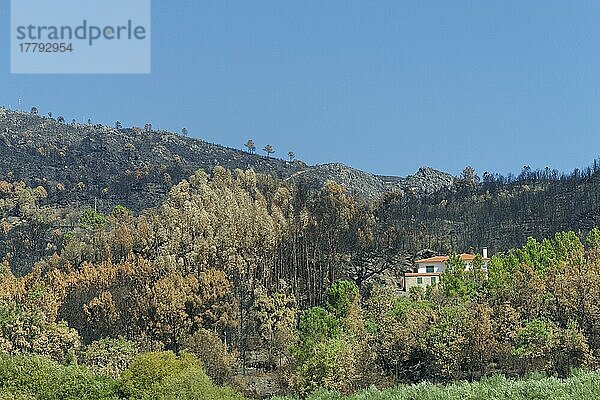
340 297
163 375
192 384
29 376
92 220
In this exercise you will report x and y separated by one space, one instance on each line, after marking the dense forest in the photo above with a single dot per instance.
247 285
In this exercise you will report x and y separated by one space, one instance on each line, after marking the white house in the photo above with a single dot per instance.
428 270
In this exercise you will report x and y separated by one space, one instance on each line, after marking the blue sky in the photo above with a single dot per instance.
384 86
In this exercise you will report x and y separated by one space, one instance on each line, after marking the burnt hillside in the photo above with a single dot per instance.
494 215
77 164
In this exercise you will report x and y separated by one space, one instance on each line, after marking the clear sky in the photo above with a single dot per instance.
384 86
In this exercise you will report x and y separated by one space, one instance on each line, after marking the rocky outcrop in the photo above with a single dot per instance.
358 183
426 181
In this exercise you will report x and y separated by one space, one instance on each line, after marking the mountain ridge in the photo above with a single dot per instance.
81 165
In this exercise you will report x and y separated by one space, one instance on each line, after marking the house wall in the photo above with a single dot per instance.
438 267
410 281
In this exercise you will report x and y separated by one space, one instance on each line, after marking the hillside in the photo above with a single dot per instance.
82 165
274 288
77 164
495 215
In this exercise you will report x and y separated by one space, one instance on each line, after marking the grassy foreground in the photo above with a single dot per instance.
582 385
164 376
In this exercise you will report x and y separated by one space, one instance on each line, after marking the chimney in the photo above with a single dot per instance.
485 252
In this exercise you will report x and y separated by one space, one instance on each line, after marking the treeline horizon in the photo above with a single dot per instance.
487 177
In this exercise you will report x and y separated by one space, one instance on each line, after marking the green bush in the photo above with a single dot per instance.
340 297
163 375
29 376
192 384
92 220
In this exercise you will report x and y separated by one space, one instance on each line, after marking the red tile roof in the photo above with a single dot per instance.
464 257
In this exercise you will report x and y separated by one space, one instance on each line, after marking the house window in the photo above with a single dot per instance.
429 269
433 280
419 281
